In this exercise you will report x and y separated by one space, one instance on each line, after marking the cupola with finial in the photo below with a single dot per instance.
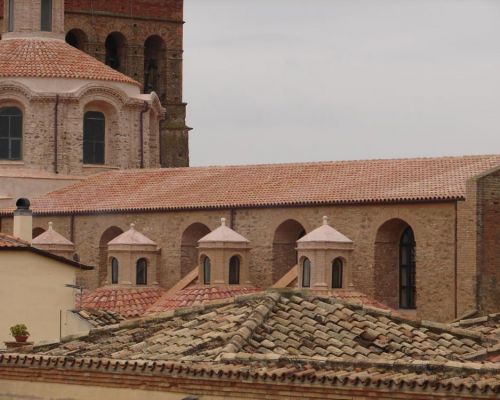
224 257
324 256
54 242
132 259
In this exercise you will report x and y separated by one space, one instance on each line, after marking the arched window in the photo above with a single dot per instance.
206 270
141 272
94 128
114 271
11 133
337 271
10 16
46 16
407 270
234 270
115 51
306 273
77 38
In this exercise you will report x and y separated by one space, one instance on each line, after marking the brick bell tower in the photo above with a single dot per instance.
140 38
144 40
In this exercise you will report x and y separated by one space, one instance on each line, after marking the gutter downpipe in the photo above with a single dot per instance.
144 110
56 118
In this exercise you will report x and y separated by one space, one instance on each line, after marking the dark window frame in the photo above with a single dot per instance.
207 270
10 16
114 271
11 138
141 272
337 273
407 270
234 270
306 273
94 138
46 15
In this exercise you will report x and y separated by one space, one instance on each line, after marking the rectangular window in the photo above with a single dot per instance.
10 16
46 16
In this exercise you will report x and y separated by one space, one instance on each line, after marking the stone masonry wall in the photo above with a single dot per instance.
433 224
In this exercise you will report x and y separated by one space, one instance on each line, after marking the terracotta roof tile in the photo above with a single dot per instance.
50 236
127 301
100 318
7 241
291 324
38 58
417 179
196 295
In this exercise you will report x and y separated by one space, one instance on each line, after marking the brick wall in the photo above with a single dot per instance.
433 224
489 242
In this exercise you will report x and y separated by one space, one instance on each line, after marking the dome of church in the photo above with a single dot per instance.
52 58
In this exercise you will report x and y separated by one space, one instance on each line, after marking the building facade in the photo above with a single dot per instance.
439 212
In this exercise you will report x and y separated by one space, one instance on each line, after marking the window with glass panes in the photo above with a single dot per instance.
234 271
114 271
141 272
46 16
206 270
94 127
306 273
337 269
11 133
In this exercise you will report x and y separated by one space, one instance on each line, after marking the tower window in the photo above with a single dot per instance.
337 270
10 16
306 273
94 126
114 271
234 271
407 270
206 270
11 133
142 272
46 16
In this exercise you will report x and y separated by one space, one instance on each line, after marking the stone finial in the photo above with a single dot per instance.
223 221
132 226
325 220
51 226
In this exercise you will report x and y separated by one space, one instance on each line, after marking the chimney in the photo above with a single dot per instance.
23 220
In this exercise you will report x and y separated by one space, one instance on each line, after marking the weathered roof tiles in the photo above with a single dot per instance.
368 181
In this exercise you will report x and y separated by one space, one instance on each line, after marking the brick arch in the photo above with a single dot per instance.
284 244
116 47
386 260
189 246
155 64
107 236
77 38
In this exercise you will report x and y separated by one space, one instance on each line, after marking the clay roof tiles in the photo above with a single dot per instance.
197 295
223 234
369 181
131 237
50 236
42 58
325 233
129 302
292 325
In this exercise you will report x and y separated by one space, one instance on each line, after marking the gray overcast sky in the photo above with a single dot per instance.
309 80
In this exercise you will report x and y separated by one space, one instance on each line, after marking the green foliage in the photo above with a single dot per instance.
19 330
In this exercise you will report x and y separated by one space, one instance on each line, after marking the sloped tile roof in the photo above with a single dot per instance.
196 295
369 181
100 318
7 241
42 58
292 325
488 325
127 301
257 377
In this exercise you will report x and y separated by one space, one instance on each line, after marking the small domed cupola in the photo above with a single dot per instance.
224 257
54 243
132 259
324 256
